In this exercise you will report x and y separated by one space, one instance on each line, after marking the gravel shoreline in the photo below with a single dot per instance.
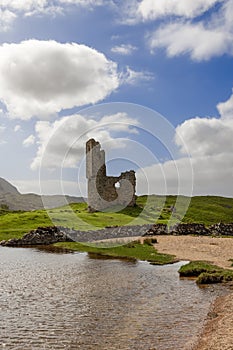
218 329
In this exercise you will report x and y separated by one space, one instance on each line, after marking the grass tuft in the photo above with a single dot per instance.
206 273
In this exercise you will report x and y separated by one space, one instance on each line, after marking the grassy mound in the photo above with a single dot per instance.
133 250
206 273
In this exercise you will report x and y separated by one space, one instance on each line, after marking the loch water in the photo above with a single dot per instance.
51 300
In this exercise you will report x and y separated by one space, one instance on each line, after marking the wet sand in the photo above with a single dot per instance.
218 331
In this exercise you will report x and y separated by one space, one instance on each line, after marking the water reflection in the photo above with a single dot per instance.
72 301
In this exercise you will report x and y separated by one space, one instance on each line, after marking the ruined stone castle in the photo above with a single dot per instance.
106 191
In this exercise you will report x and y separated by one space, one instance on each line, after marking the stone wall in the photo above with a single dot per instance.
49 235
222 229
219 229
106 191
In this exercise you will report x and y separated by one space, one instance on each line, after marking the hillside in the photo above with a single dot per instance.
207 210
14 200
201 209
7 188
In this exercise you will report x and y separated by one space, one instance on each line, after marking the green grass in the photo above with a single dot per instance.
206 273
133 250
201 209
16 224
149 209
210 210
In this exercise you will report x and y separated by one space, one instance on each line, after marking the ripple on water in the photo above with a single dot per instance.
70 301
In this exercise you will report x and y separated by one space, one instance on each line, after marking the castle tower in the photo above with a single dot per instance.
102 190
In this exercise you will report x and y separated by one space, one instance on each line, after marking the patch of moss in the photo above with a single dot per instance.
206 273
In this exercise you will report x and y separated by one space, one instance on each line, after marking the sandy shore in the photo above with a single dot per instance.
215 250
218 331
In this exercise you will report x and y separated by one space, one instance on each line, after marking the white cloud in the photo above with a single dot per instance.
6 19
2 130
40 78
11 9
61 144
199 42
25 5
132 77
51 187
206 146
212 175
17 128
30 140
170 177
84 2
124 49
206 136
202 39
150 9
42 5
226 108
210 144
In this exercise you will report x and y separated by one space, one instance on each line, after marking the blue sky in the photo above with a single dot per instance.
71 68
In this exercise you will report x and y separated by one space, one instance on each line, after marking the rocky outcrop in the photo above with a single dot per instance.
40 236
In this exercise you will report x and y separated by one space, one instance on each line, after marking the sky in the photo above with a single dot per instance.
150 79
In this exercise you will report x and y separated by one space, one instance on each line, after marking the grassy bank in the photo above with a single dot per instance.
206 273
149 209
133 250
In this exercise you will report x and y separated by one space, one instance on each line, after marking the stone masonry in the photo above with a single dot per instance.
106 191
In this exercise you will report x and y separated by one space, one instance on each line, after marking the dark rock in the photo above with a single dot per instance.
222 229
189 229
40 236
157 229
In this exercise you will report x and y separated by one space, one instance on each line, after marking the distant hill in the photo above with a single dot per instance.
6 187
10 196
